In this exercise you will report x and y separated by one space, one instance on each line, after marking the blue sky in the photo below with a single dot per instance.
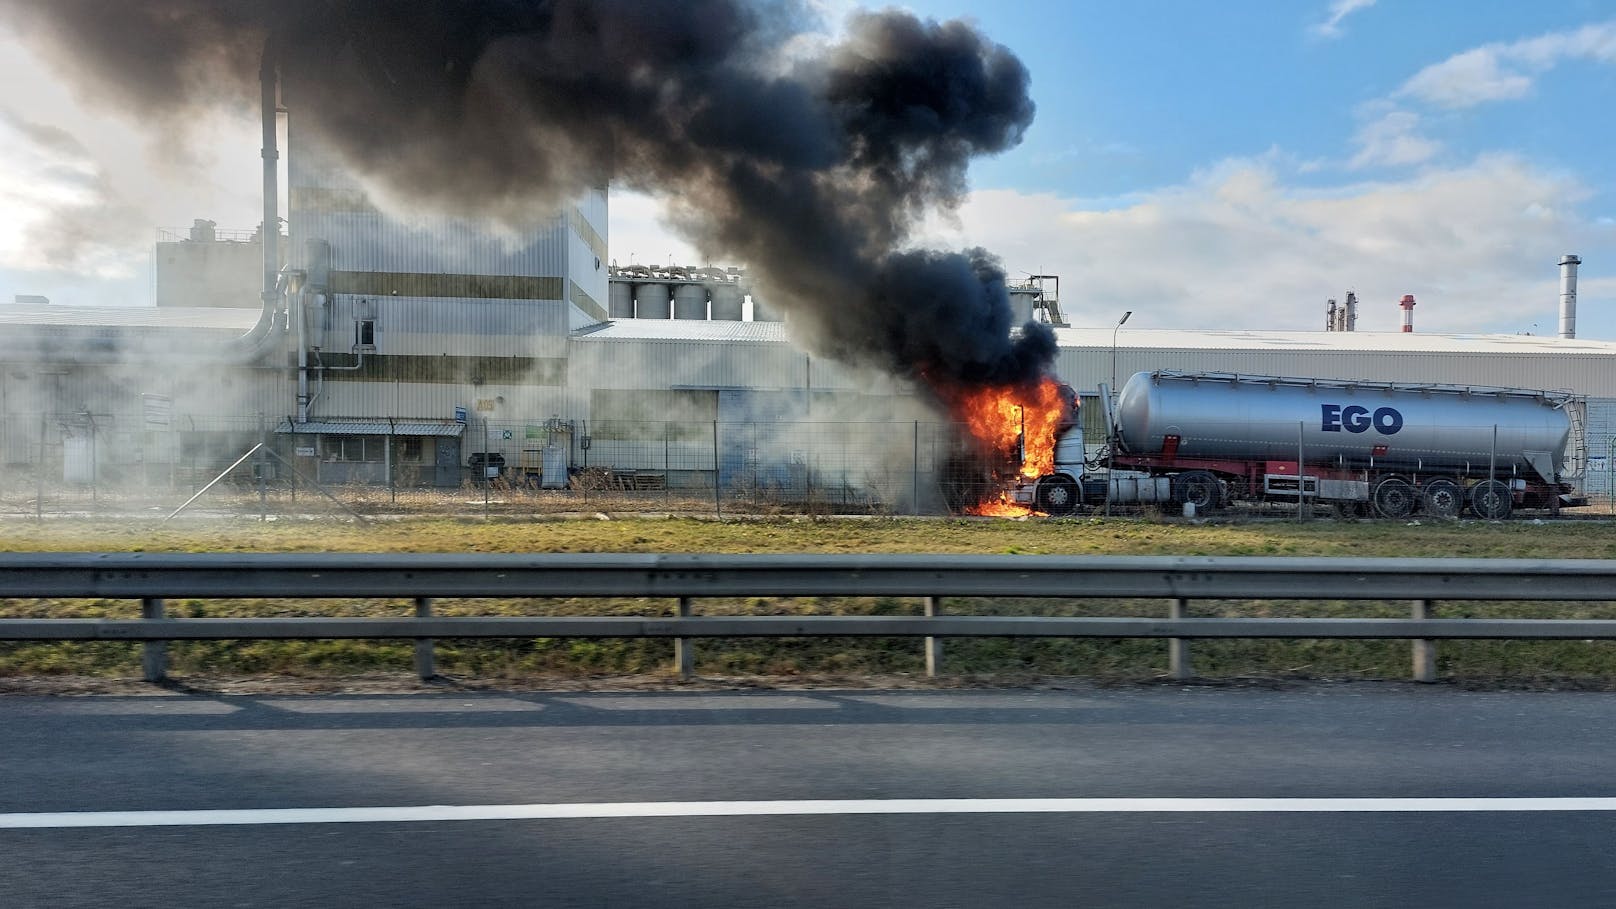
1135 97
1206 165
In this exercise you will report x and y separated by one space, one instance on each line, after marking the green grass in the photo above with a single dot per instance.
1593 663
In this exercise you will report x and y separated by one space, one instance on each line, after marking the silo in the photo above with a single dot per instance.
727 300
690 302
651 301
762 313
1021 305
622 300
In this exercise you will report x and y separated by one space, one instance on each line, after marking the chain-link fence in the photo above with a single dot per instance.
56 464
83 463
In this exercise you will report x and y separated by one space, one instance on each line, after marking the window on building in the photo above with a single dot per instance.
365 333
353 448
409 450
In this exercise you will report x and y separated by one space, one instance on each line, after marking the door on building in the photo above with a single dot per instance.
447 463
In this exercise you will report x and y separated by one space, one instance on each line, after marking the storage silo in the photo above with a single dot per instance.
727 301
651 301
1021 305
621 295
690 302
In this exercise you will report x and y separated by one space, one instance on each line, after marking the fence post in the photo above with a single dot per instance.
934 646
262 465
153 654
718 500
1424 648
425 659
684 649
39 475
1301 485
914 477
1178 649
1492 456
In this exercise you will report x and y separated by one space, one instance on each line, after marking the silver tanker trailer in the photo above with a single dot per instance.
1383 448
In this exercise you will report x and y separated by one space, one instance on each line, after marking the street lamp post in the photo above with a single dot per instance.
1120 323
1110 431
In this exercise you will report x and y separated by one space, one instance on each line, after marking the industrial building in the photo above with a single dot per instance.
373 349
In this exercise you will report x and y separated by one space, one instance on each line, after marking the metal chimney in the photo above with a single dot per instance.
1568 295
1408 311
1329 316
1349 313
268 81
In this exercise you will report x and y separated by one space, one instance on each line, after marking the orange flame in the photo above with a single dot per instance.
1018 424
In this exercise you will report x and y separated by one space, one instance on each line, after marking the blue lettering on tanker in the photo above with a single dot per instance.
1352 418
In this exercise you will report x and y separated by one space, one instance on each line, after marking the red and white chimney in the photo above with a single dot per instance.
1408 311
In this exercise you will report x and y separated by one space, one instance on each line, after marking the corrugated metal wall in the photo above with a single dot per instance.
638 363
1086 367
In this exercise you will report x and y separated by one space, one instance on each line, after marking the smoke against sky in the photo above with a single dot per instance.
812 172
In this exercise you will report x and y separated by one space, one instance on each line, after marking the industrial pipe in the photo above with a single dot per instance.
268 82
1568 295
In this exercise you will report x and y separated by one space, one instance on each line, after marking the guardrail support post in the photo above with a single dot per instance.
934 646
425 662
1424 648
153 654
1178 649
684 649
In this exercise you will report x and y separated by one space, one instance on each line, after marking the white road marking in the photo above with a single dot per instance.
586 810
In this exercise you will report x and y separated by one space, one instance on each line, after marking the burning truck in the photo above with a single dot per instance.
1206 440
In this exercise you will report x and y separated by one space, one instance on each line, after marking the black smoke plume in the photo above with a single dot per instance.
810 168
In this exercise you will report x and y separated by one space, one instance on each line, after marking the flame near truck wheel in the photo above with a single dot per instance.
1386 449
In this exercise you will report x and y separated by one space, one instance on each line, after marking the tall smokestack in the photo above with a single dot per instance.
1408 311
1568 295
1329 317
272 228
1349 315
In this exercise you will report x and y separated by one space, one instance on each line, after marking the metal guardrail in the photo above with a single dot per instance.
152 578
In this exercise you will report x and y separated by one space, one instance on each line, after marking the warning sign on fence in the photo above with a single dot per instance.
156 410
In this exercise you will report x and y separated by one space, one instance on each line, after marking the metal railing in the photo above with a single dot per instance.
153 578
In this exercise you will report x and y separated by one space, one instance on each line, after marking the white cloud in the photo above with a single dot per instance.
1339 10
1393 140
84 191
1240 247
1506 71
639 233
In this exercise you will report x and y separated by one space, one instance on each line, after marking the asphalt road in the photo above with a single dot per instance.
1346 742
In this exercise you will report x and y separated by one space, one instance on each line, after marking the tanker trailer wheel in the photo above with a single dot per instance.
1442 499
1394 498
1199 488
1490 500
1057 496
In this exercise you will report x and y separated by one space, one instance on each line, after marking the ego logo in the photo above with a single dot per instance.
1386 420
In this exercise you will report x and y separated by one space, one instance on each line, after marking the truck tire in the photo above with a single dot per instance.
1491 500
1394 498
1057 496
1442 498
1199 488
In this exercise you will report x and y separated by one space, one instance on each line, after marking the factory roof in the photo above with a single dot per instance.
237 319
1346 341
685 330
676 330
375 428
